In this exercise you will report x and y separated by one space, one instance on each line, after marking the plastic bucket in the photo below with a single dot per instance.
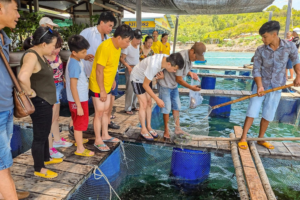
208 83
190 166
230 73
220 112
287 111
244 73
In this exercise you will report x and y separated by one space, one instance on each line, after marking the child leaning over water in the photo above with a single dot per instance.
77 91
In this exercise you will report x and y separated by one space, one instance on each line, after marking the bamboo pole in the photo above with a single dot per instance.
262 173
238 170
248 139
251 96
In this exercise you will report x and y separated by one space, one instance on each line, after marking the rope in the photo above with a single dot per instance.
102 175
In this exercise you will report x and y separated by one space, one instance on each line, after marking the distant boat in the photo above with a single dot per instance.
200 62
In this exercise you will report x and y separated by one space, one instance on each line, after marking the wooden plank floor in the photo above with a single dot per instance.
255 186
226 93
222 68
71 172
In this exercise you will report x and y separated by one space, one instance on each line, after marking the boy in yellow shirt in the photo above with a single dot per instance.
157 45
102 81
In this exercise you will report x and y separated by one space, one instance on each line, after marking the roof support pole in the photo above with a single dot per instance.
91 13
288 18
139 14
36 5
270 15
175 34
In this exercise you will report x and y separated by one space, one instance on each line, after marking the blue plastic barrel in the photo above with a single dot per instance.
287 111
230 73
208 83
222 111
190 166
244 73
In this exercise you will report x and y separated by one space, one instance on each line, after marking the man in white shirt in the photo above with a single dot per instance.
130 58
141 77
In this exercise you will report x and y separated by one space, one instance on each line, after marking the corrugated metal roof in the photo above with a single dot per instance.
190 7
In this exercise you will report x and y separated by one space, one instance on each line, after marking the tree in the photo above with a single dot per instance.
273 8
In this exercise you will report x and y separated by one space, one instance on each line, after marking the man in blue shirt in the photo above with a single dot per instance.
8 18
269 72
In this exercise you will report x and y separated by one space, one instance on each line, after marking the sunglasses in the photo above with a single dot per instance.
49 30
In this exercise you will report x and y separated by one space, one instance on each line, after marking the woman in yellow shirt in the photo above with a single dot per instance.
157 45
165 44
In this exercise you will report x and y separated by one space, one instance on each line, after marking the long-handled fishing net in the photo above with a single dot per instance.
200 128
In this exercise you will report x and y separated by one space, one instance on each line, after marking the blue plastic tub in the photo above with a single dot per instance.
190 166
222 111
208 83
287 111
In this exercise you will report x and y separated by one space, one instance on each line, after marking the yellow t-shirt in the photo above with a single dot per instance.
166 48
157 47
108 56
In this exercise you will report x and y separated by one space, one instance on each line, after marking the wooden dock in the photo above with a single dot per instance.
255 187
221 68
223 93
74 170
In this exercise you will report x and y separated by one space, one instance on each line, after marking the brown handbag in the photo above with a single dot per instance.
22 103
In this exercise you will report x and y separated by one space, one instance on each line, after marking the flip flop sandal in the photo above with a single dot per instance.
85 153
129 112
153 133
84 140
111 140
113 117
241 144
145 135
266 144
101 145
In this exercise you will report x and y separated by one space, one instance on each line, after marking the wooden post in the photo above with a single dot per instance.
30 6
36 5
139 14
262 173
288 18
175 34
73 15
238 170
91 13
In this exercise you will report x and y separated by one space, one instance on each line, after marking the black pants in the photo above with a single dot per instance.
41 121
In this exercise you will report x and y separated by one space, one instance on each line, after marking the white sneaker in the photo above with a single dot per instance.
62 143
55 154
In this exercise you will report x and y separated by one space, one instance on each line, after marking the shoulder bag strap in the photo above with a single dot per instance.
11 73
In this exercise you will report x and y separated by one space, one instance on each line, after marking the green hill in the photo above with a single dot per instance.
220 27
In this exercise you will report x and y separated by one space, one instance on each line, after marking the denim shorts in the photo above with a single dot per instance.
171 99
115 91
59 87
6 131
289 64
270 103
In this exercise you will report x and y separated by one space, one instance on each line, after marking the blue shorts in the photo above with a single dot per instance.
115 91
59 87
171 99
6 131
270 101
289 64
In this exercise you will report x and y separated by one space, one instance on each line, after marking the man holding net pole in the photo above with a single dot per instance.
269 72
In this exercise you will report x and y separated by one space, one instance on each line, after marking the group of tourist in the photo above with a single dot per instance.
92 72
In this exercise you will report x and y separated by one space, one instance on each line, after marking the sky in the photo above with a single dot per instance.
281 3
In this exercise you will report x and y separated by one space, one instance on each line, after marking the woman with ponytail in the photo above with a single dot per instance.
36 79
